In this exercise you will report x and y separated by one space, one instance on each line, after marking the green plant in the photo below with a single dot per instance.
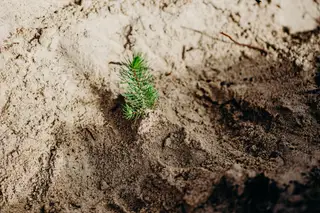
140 93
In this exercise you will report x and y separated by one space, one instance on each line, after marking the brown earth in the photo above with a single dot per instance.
234 130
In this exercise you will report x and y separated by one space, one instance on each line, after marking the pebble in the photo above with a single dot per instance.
254 148
103 185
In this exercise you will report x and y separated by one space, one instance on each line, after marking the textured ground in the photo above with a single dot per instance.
226 112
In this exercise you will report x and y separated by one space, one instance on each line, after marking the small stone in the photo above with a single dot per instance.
103 185
168 142
152 27
199 93
237 167
235 173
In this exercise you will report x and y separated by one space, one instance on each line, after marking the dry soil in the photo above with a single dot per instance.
236 128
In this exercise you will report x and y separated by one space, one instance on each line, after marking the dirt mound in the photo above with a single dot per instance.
230 131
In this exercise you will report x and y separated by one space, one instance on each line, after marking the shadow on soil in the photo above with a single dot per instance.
262 195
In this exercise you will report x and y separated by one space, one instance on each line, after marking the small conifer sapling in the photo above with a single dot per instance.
140 93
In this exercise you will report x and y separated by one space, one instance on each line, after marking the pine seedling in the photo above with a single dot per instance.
140 93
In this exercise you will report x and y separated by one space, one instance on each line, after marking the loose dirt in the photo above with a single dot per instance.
234 130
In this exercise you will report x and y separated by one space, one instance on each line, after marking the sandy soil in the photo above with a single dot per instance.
226 114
